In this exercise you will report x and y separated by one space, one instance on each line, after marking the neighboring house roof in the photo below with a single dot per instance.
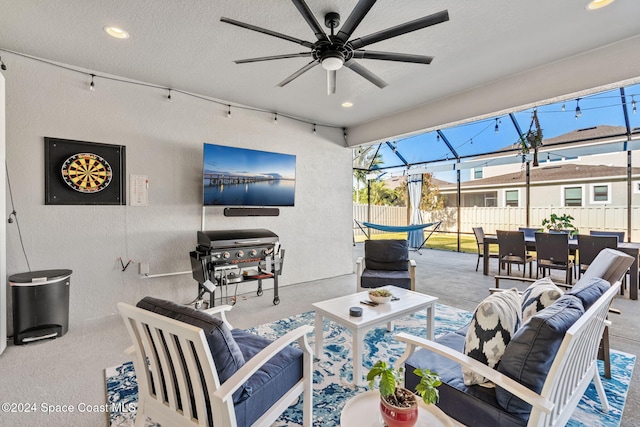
578 137
567 172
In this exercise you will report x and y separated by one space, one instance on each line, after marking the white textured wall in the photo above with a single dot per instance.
164 141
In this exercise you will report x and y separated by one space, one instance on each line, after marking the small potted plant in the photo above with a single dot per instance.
398 405
557 224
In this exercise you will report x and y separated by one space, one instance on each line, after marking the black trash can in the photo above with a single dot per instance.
40 305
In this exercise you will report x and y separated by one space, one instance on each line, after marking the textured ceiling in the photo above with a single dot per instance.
183 45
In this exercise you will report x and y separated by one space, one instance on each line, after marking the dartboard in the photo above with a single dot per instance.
86 173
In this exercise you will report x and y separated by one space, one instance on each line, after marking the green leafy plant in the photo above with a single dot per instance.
392 391
560 223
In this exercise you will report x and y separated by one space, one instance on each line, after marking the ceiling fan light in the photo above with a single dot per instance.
598 4
332 61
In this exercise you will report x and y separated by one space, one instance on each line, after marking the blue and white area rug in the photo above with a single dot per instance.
333 374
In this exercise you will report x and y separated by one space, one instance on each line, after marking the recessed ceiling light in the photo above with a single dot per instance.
116 32
347 104
598 4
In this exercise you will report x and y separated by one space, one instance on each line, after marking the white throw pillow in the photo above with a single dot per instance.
538 296
494 322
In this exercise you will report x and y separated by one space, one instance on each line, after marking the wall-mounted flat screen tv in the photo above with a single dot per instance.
241 177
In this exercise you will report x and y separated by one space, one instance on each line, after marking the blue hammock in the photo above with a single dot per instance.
398 228
401 229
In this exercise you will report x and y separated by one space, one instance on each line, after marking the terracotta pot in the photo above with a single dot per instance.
398 417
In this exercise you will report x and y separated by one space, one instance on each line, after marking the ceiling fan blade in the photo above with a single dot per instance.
265 31
398 30
331 82
269 58
354 66
311 19
298 73
391 56
357 14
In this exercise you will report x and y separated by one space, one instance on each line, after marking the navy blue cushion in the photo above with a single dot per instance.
224 349
588 291
270 382
378 278
471 405
386 254
530 353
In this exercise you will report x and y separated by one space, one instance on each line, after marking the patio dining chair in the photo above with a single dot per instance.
590 246
619 234
552 253
512 249
479 233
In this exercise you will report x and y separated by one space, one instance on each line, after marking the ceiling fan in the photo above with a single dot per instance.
336 50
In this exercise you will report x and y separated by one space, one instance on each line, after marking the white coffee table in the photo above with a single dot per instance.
363 410
337 309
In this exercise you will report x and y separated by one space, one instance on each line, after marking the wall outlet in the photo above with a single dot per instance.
143 268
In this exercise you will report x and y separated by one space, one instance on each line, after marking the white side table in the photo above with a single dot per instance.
363 410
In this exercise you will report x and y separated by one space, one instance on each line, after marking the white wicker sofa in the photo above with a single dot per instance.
546 367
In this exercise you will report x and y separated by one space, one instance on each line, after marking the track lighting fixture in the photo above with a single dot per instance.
92 86
578 111
169 96
2 66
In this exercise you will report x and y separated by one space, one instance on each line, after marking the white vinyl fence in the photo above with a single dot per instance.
610 218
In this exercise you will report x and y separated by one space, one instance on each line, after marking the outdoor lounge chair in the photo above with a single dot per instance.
194 370
546 367
385 262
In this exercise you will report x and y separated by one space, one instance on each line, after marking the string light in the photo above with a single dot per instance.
314 128
562 108
92 86
497 127
344 133
2 66
578 111
275 118
633 104
169 95
228 111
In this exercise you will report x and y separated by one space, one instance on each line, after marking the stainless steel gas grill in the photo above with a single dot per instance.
232 257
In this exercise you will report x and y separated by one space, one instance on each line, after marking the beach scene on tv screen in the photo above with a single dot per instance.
241 177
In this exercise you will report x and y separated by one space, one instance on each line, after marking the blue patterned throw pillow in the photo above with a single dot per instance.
494 322
540 295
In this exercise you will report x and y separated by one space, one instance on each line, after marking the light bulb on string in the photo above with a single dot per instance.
275 118
496 129
633 104
578 111
314 128
228 111
169 96
92 86
562 108
2 66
